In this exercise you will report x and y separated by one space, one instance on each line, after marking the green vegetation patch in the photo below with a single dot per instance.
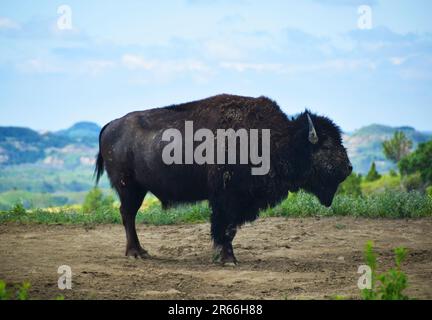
389 204
388 285
100 209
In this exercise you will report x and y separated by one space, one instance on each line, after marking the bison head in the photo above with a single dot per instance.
326 162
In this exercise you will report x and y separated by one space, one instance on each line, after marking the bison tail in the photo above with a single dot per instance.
99 168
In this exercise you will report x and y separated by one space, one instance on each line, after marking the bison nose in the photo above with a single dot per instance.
350 168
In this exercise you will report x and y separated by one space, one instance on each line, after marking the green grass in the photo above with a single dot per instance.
389 204
34 200
21 291
385 183
154 215
196 213
18 292
388 285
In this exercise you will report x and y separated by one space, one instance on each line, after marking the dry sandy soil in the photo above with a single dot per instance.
279 258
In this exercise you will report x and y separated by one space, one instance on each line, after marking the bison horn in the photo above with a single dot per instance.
313 137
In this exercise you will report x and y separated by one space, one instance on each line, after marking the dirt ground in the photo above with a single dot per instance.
278 259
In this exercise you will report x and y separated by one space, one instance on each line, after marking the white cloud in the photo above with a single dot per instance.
38 66
6 23
349 3
166 66
136 62
340 65
335 65
97 66
258 67
222 50
397 61
167 70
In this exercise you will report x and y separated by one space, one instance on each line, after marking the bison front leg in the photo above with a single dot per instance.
223 236
130 203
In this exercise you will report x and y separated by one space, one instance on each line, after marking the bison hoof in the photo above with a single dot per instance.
137 253
224 257
229 262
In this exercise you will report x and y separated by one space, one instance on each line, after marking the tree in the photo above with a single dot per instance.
398 147
419 161
393 173
373 174
95 200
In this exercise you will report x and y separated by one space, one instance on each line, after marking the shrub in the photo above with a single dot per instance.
429 191
18 209
95 200
4 293
393 173
20 294
390 284
413 182
399 204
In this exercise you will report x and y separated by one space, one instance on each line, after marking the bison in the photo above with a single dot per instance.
306 153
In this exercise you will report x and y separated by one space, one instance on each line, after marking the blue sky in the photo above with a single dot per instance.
122 56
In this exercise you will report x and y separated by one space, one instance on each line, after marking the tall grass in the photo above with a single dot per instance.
199 212
390 204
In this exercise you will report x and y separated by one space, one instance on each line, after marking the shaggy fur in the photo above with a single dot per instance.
131 152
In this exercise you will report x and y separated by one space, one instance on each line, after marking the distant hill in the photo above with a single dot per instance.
47 169
85 132
77 145
365 145
23 145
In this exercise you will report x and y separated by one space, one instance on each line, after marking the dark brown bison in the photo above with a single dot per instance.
306 153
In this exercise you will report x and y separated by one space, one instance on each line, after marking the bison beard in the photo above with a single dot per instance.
306 152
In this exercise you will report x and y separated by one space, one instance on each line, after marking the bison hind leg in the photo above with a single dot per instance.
131 197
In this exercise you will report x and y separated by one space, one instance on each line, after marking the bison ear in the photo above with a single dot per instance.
313 136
